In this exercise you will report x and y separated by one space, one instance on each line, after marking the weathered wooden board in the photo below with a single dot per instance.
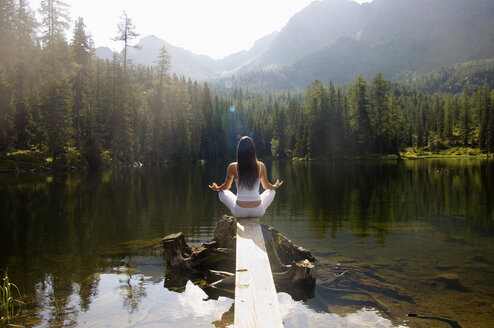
256 302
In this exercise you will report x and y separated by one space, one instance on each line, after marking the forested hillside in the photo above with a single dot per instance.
60 104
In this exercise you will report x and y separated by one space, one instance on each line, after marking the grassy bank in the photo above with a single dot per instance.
455 152
413 153
38 161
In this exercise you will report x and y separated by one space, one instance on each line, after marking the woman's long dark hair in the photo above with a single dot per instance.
248 170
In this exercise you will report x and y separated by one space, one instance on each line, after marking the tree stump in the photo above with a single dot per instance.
292 267
176 250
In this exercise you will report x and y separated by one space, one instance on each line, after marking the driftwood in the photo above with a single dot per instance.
210 265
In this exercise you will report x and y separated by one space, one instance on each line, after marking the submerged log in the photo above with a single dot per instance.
292 267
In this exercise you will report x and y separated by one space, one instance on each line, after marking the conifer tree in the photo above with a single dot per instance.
126 32
490 126
465 116
448 117
379 111
56 94
6 120
317 116
7 32
395 126
55 20
359 114
25 79
163 65
484 99
80 103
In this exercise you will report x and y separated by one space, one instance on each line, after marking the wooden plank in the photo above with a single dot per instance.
256 302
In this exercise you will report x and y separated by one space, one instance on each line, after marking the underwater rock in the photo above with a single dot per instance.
451 281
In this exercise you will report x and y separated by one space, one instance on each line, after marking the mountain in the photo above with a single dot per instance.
237 62
403 38
184 62
340 39
317 26
104 53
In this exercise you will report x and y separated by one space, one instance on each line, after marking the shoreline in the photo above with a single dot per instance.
36 162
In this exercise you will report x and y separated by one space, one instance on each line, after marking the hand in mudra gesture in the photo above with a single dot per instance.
214 186
277 184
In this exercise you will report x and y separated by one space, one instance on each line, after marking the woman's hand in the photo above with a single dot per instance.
214 186
277 184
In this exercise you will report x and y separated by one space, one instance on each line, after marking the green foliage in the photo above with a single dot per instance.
22 159
275 147
453 152
62 101
35 159
452 78
359 114
9 303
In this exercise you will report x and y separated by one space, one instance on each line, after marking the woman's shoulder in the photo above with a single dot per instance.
232 168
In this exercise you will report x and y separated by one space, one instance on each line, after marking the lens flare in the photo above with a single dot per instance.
228 84
232 109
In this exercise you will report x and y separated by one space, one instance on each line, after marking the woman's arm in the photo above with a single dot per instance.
230 175
264 179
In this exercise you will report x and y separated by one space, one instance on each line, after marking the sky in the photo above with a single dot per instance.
216 28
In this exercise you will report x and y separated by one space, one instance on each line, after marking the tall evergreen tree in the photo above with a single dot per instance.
359 114
317 116
448 117
80 103
335 129
55 18
484 113
163 65
7 32
126 32
25 74
56 95
55 105
6 119
395 127
490 126
465 116
379 111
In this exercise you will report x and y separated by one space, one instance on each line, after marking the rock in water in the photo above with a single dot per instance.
225 232
292 267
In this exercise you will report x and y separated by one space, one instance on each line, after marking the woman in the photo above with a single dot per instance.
248 173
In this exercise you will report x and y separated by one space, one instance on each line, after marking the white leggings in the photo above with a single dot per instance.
230 200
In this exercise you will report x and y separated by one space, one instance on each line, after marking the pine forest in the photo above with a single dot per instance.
61 105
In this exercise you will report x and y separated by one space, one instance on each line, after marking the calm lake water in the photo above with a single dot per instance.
84 247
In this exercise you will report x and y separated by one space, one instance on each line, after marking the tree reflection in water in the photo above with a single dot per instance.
414 223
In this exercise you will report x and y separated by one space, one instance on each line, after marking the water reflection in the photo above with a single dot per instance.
368 197
72 241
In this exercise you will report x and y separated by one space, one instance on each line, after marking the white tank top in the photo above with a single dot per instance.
249 195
